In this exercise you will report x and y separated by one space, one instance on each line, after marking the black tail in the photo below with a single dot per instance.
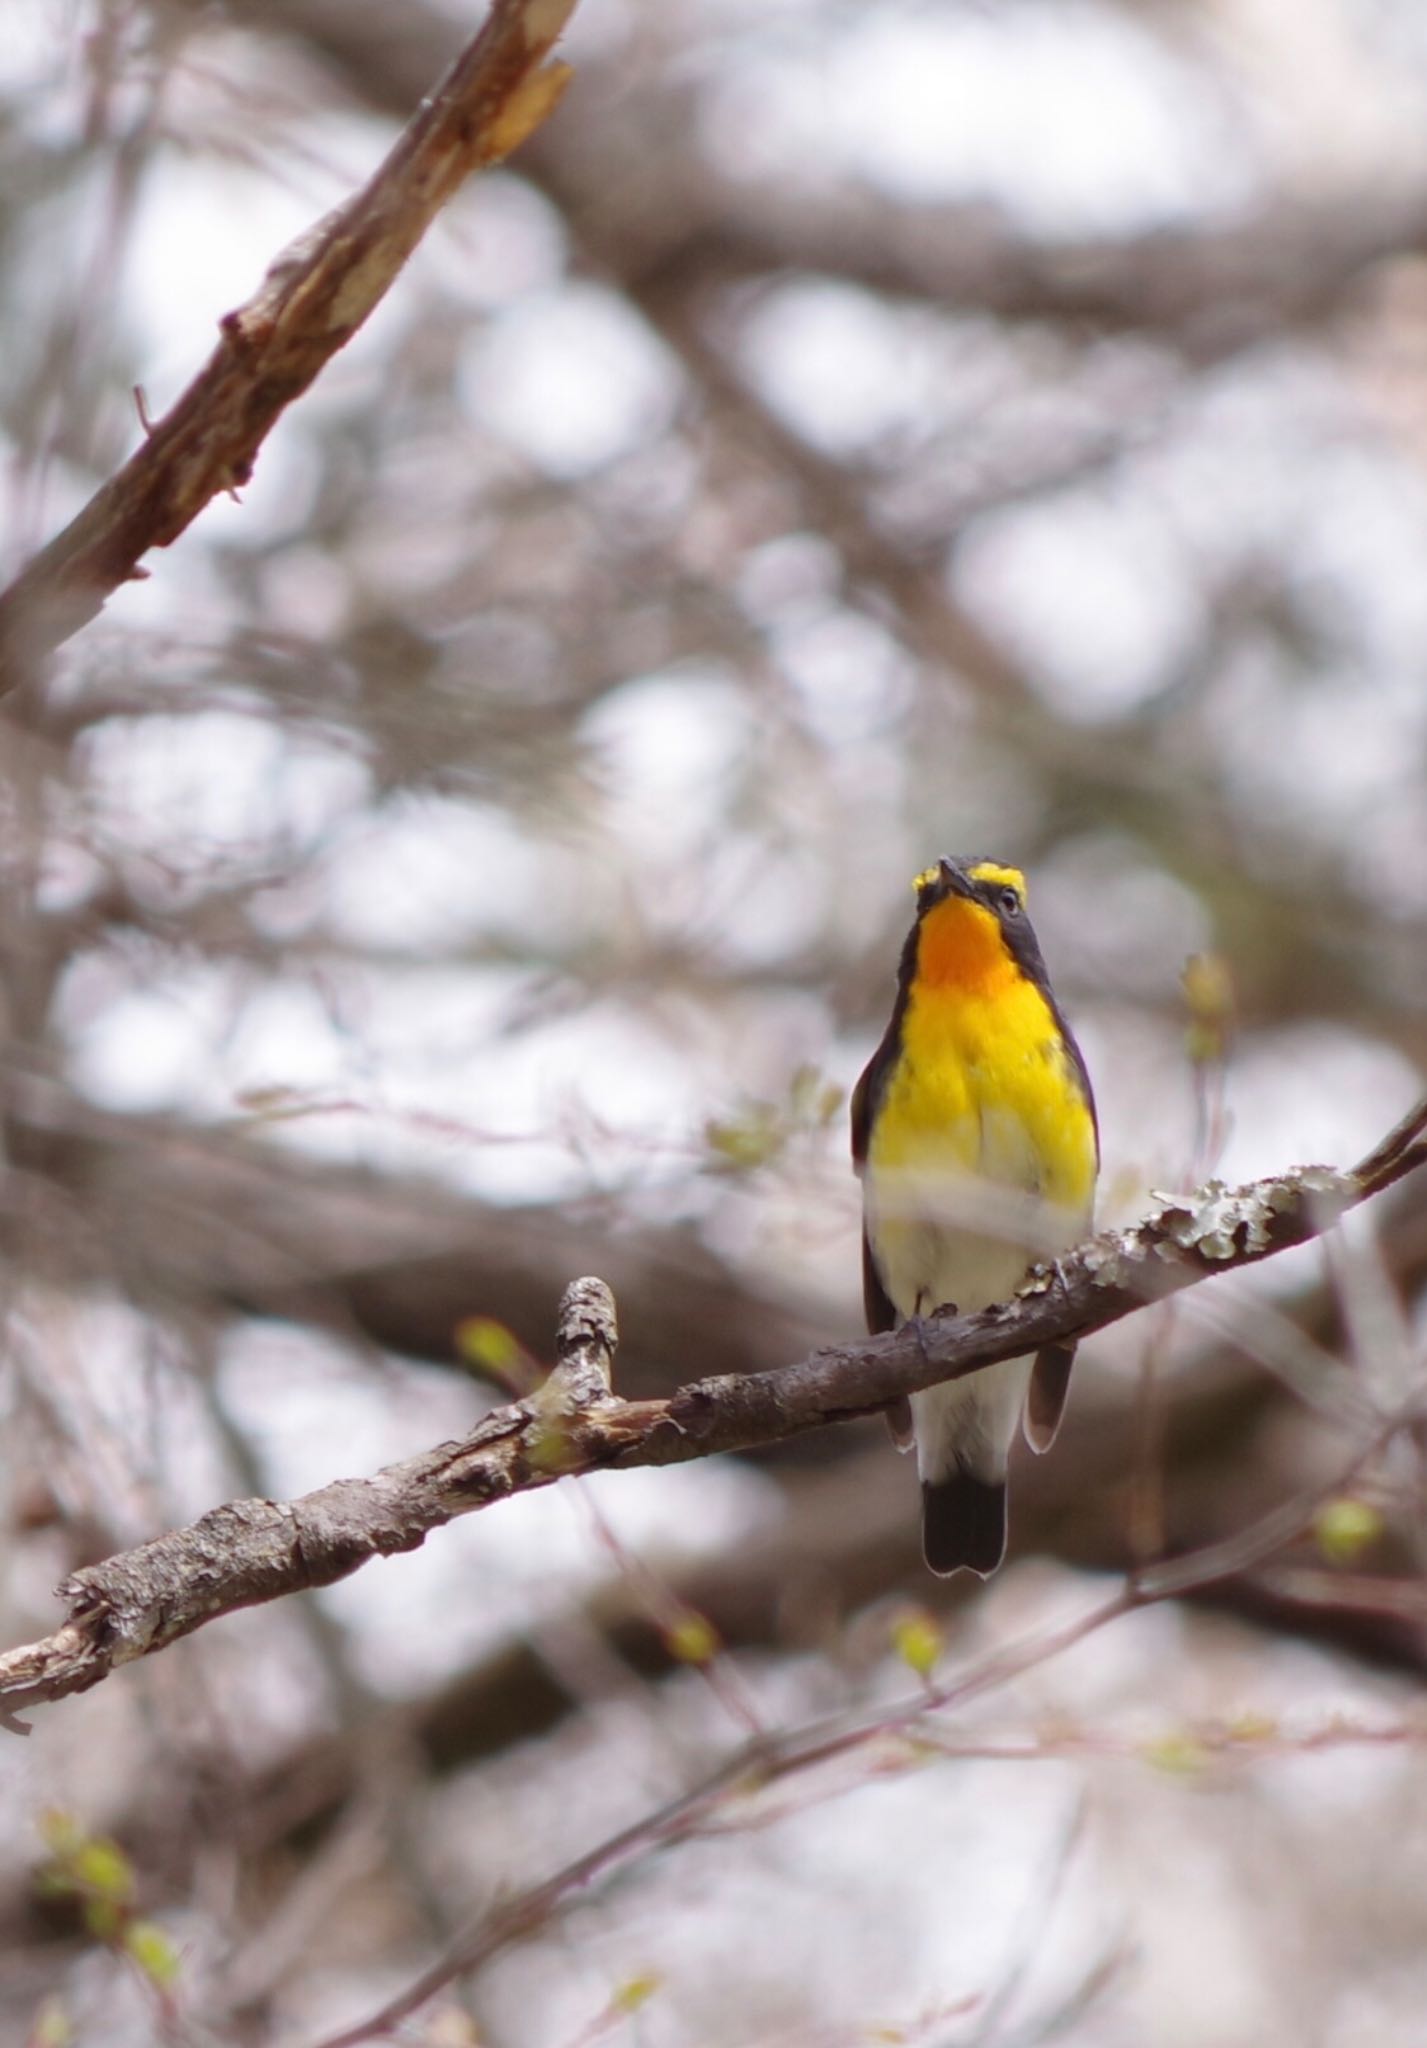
964 1523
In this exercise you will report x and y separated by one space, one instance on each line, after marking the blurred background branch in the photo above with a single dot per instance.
843 435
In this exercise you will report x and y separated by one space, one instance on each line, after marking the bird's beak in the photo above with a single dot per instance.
956 882
934 885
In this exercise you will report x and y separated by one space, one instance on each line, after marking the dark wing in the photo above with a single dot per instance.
880 1313
1050 1375
1024 948
862 1112
868 1092
1045 1397
878 1308
882 1316
1081 1072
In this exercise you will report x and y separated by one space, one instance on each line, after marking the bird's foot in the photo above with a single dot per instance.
921 1323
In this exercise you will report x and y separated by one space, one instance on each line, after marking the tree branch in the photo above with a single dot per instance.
250 1551
189 1220
315 296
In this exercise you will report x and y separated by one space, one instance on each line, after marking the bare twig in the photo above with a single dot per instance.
315 296
736 1790
250 1551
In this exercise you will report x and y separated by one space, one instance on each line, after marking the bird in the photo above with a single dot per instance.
975 1137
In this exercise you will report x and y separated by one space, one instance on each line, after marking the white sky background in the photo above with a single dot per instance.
933 104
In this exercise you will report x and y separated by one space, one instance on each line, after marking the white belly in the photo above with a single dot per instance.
945 1237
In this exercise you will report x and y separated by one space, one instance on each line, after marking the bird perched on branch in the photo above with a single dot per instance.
974 1134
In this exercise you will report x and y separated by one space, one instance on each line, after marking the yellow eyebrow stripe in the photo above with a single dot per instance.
1006 878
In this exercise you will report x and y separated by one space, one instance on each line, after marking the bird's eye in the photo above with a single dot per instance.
1010 903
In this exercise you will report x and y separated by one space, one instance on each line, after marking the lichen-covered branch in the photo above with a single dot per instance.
313 299
255 1550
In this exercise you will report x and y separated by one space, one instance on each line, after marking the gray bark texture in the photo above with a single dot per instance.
246 1552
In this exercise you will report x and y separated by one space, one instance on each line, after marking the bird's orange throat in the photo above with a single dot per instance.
960 950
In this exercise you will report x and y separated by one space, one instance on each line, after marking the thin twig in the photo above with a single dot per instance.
919 1722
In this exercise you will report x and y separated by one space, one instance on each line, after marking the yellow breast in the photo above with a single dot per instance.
982 1127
